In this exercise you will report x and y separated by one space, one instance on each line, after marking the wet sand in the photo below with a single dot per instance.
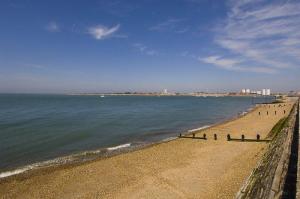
182 168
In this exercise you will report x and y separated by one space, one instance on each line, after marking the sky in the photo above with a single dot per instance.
54 46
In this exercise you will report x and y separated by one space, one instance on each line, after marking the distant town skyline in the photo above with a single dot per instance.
149 45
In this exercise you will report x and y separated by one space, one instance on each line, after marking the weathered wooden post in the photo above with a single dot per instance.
258 137
267 112
228 137
243 137
283 111
193 135
258 113
180 135
275 112
215 136
204 136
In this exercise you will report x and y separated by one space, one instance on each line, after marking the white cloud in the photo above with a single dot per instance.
151 52
173 24
52 27
261 34
217 60
234 64
180 31
140 46
188 55
144 49
101 32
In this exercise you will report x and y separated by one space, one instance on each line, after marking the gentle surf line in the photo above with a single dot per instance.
198 129
77 156
61 160
80 156
119 147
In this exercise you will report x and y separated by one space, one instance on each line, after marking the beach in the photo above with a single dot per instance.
180 168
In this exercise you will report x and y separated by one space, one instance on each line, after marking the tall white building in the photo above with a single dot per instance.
165 91
266 91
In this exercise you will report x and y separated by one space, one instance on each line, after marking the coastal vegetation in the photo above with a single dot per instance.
277 128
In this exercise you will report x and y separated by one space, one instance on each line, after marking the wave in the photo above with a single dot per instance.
119 147
169 139
245 112
14 172
86 155
77 157
198 129
56 161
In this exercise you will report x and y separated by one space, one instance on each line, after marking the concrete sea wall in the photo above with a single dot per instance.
268 179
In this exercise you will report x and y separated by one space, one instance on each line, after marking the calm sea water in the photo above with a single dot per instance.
35 128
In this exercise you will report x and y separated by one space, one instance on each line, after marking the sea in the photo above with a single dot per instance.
39 130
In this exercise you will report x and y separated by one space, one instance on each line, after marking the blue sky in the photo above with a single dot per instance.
148 45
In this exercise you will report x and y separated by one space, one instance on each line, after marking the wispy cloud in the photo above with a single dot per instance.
188 55
36 66
180 31
101 32
52 27
144 49
172 24
263 35
234 65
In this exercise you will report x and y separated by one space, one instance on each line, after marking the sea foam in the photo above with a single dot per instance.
198 129
62 160
14 172
119 147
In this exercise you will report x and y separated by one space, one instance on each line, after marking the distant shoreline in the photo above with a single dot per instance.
157 94
171 95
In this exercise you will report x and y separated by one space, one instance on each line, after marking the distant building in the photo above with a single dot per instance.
266 91
165 91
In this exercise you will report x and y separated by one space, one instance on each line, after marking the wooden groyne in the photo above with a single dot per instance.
269 179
